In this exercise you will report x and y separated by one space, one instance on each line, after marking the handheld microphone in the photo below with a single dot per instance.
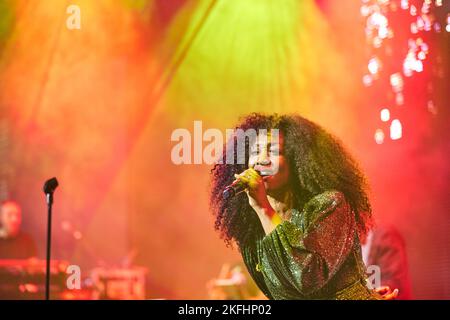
238 186
233 189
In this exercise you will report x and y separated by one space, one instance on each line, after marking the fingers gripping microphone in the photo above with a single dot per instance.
238 186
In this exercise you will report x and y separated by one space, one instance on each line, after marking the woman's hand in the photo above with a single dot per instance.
386 293
256 191
257 198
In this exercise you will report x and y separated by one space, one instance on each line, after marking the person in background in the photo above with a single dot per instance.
14 244
233 283
384 247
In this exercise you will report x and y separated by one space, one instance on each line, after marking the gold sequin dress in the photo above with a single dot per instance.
315 254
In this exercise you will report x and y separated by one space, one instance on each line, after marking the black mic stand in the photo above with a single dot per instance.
49 188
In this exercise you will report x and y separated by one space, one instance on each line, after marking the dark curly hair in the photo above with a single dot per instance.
317 161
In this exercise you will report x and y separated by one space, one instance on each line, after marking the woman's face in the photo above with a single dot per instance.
268 158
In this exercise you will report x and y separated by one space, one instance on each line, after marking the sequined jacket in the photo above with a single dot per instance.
315 254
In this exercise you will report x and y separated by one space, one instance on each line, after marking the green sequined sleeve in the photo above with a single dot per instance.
304 253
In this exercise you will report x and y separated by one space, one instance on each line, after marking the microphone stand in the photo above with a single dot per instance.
49 188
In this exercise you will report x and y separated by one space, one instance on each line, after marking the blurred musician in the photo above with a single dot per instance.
14 244
385 247
234 283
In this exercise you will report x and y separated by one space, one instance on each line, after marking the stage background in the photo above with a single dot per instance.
96 107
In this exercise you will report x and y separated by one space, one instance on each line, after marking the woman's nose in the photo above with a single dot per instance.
263 159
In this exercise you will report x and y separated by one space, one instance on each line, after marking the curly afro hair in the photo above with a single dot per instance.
317 161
